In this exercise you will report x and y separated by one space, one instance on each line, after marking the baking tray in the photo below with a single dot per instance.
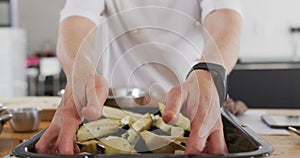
241 142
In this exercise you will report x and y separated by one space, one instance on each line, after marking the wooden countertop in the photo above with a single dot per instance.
284 146
9 139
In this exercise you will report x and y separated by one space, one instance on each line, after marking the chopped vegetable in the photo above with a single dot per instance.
97 129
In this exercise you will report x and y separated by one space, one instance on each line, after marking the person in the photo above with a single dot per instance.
147 44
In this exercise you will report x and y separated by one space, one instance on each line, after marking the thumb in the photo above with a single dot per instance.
174 101
96 94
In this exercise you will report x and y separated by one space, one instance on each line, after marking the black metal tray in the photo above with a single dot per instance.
241 142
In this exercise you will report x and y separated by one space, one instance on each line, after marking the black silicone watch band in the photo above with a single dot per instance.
219 76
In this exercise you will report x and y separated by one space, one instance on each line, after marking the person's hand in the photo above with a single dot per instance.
59 138
86 102
198 99
235 107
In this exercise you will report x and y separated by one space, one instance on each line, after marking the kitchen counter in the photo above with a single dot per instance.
268 66
284 146
9 139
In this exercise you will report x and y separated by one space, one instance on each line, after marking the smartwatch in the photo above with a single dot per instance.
218 73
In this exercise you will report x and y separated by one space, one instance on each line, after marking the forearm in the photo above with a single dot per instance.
222 38
73 34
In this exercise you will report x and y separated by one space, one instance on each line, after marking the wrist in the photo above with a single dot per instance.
214 71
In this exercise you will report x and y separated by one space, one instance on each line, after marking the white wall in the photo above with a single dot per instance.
40 18
266 35
12 59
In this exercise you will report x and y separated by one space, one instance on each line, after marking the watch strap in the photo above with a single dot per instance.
218 73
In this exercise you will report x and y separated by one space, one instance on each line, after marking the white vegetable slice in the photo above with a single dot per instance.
158 144
143 123
159 123
183 121
128 120
116 145
97 129
132 136
115 113
177 131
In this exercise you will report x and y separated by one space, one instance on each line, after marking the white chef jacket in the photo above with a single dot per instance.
149 44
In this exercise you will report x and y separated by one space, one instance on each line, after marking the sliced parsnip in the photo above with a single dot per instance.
179 152
97 129
115 113
158 144
183 121
143 123
128 120
132 136
177 139
91 147
177 131
116 145
159 123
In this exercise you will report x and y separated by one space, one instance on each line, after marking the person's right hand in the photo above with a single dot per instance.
59 138
90 94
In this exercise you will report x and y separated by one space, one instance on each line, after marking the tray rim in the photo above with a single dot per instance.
264 148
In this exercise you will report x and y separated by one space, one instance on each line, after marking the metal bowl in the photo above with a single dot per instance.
25 119
4 116
125 97
3 119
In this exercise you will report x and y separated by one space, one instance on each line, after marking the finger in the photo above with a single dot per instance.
96 96
76 148
196 144
65 140
216 143
201 126
46 142
174 102
230 106
241 107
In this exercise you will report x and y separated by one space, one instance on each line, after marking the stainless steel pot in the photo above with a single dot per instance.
3 116
25 119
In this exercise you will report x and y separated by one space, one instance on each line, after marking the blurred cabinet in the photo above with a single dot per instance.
12 59
266 85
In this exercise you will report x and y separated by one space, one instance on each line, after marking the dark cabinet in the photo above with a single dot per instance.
272 85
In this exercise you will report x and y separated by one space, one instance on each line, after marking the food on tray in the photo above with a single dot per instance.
126 132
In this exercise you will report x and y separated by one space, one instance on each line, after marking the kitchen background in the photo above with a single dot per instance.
268 73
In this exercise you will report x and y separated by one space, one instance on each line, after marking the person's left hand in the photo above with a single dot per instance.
197 98
235 107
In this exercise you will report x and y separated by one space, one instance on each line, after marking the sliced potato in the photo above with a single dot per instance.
128 120
158 144
177 139
97 129
177 131
91 135
115 113
159 123
91 147
179 152
116 145
143 123
183 121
